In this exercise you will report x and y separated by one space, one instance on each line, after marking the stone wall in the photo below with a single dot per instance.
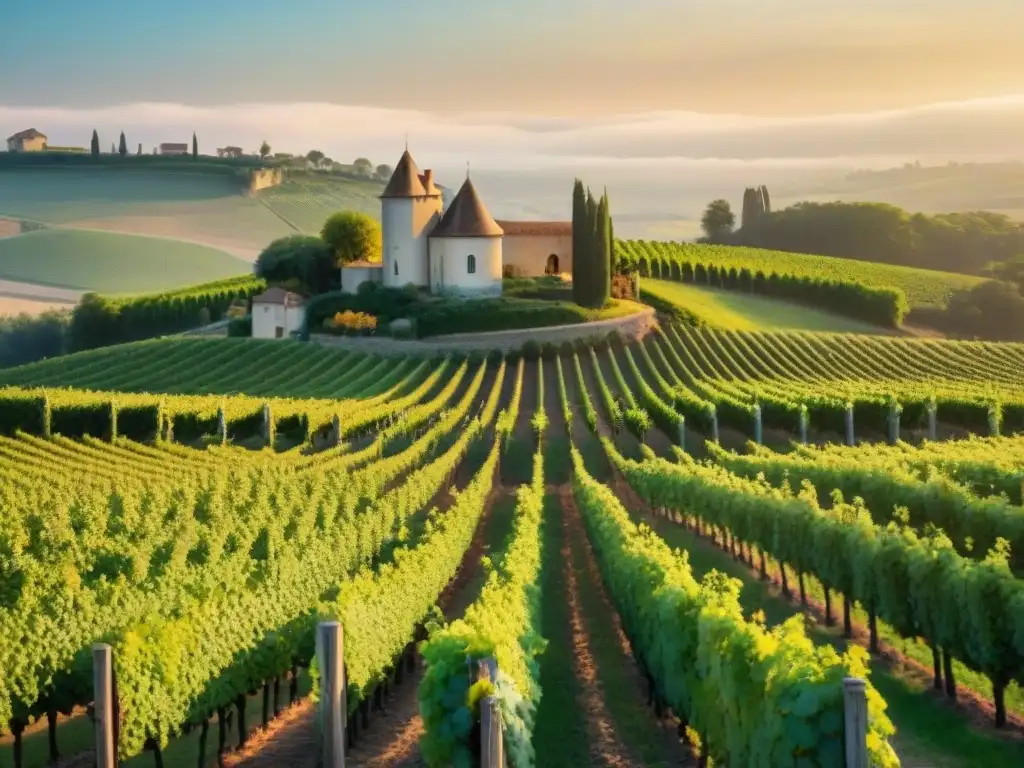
262 178
631 326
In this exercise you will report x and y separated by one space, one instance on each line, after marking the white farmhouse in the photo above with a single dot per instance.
460 251
276 313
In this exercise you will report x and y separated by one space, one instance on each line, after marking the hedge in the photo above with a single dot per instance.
99 320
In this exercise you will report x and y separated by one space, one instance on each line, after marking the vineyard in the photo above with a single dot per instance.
740 548
305 204
922 287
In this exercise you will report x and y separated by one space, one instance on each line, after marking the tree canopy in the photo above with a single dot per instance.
352 236
718 220
303 259
952 242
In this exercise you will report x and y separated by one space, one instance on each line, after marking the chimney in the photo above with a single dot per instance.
429 176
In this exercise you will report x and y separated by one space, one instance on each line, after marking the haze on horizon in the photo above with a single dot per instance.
503 85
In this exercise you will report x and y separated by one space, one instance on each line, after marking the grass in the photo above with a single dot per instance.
560 736
734 311
110 262
925 288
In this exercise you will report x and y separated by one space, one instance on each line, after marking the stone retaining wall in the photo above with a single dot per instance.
633 326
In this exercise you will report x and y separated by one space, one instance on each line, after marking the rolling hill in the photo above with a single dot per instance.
111 262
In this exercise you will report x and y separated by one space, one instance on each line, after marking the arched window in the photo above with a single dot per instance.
551 268
471 264
396 268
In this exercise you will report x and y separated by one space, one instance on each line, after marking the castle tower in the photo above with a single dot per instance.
465 248
410 206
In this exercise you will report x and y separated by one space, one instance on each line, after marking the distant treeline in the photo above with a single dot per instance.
99 321
951 242
203 163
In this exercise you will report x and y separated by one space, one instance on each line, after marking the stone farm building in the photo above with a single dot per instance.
27 141
174 149
277 313
459 251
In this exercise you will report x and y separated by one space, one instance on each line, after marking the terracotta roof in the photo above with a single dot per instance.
31 133
467 216
362 265
278 295
535 228
174 146
405 181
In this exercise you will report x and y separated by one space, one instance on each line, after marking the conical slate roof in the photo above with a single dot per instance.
405 181
467 216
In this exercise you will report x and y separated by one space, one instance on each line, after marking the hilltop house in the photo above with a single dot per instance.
230 152
458 251
27 141
276 313
174 149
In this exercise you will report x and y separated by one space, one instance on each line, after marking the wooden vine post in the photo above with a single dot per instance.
850 437
758 425
492 746
933 419
804 424
681 430
330 651
855 707
103 704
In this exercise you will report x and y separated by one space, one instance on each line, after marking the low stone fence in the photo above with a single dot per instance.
633 326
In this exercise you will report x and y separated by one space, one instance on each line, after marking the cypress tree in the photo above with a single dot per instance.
603 261
122 148
591 279
95 143
579 224
113 149
746 216
195 145
766 198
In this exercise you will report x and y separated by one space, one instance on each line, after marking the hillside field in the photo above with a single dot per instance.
111 262
735 311
924 288
206 208
505 495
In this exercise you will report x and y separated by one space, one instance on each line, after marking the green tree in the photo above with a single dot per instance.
195 145
304 259
766 200
384 172
603 254
579 256
362 166
1011 271
315 156
122 148
718 220
352 236
95 143
264 150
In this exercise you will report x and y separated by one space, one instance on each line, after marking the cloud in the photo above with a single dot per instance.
975 129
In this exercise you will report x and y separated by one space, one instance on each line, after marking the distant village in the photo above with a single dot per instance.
33 140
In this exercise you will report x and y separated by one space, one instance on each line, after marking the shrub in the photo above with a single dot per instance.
240 326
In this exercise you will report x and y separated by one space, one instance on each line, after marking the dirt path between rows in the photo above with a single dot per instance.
609 745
